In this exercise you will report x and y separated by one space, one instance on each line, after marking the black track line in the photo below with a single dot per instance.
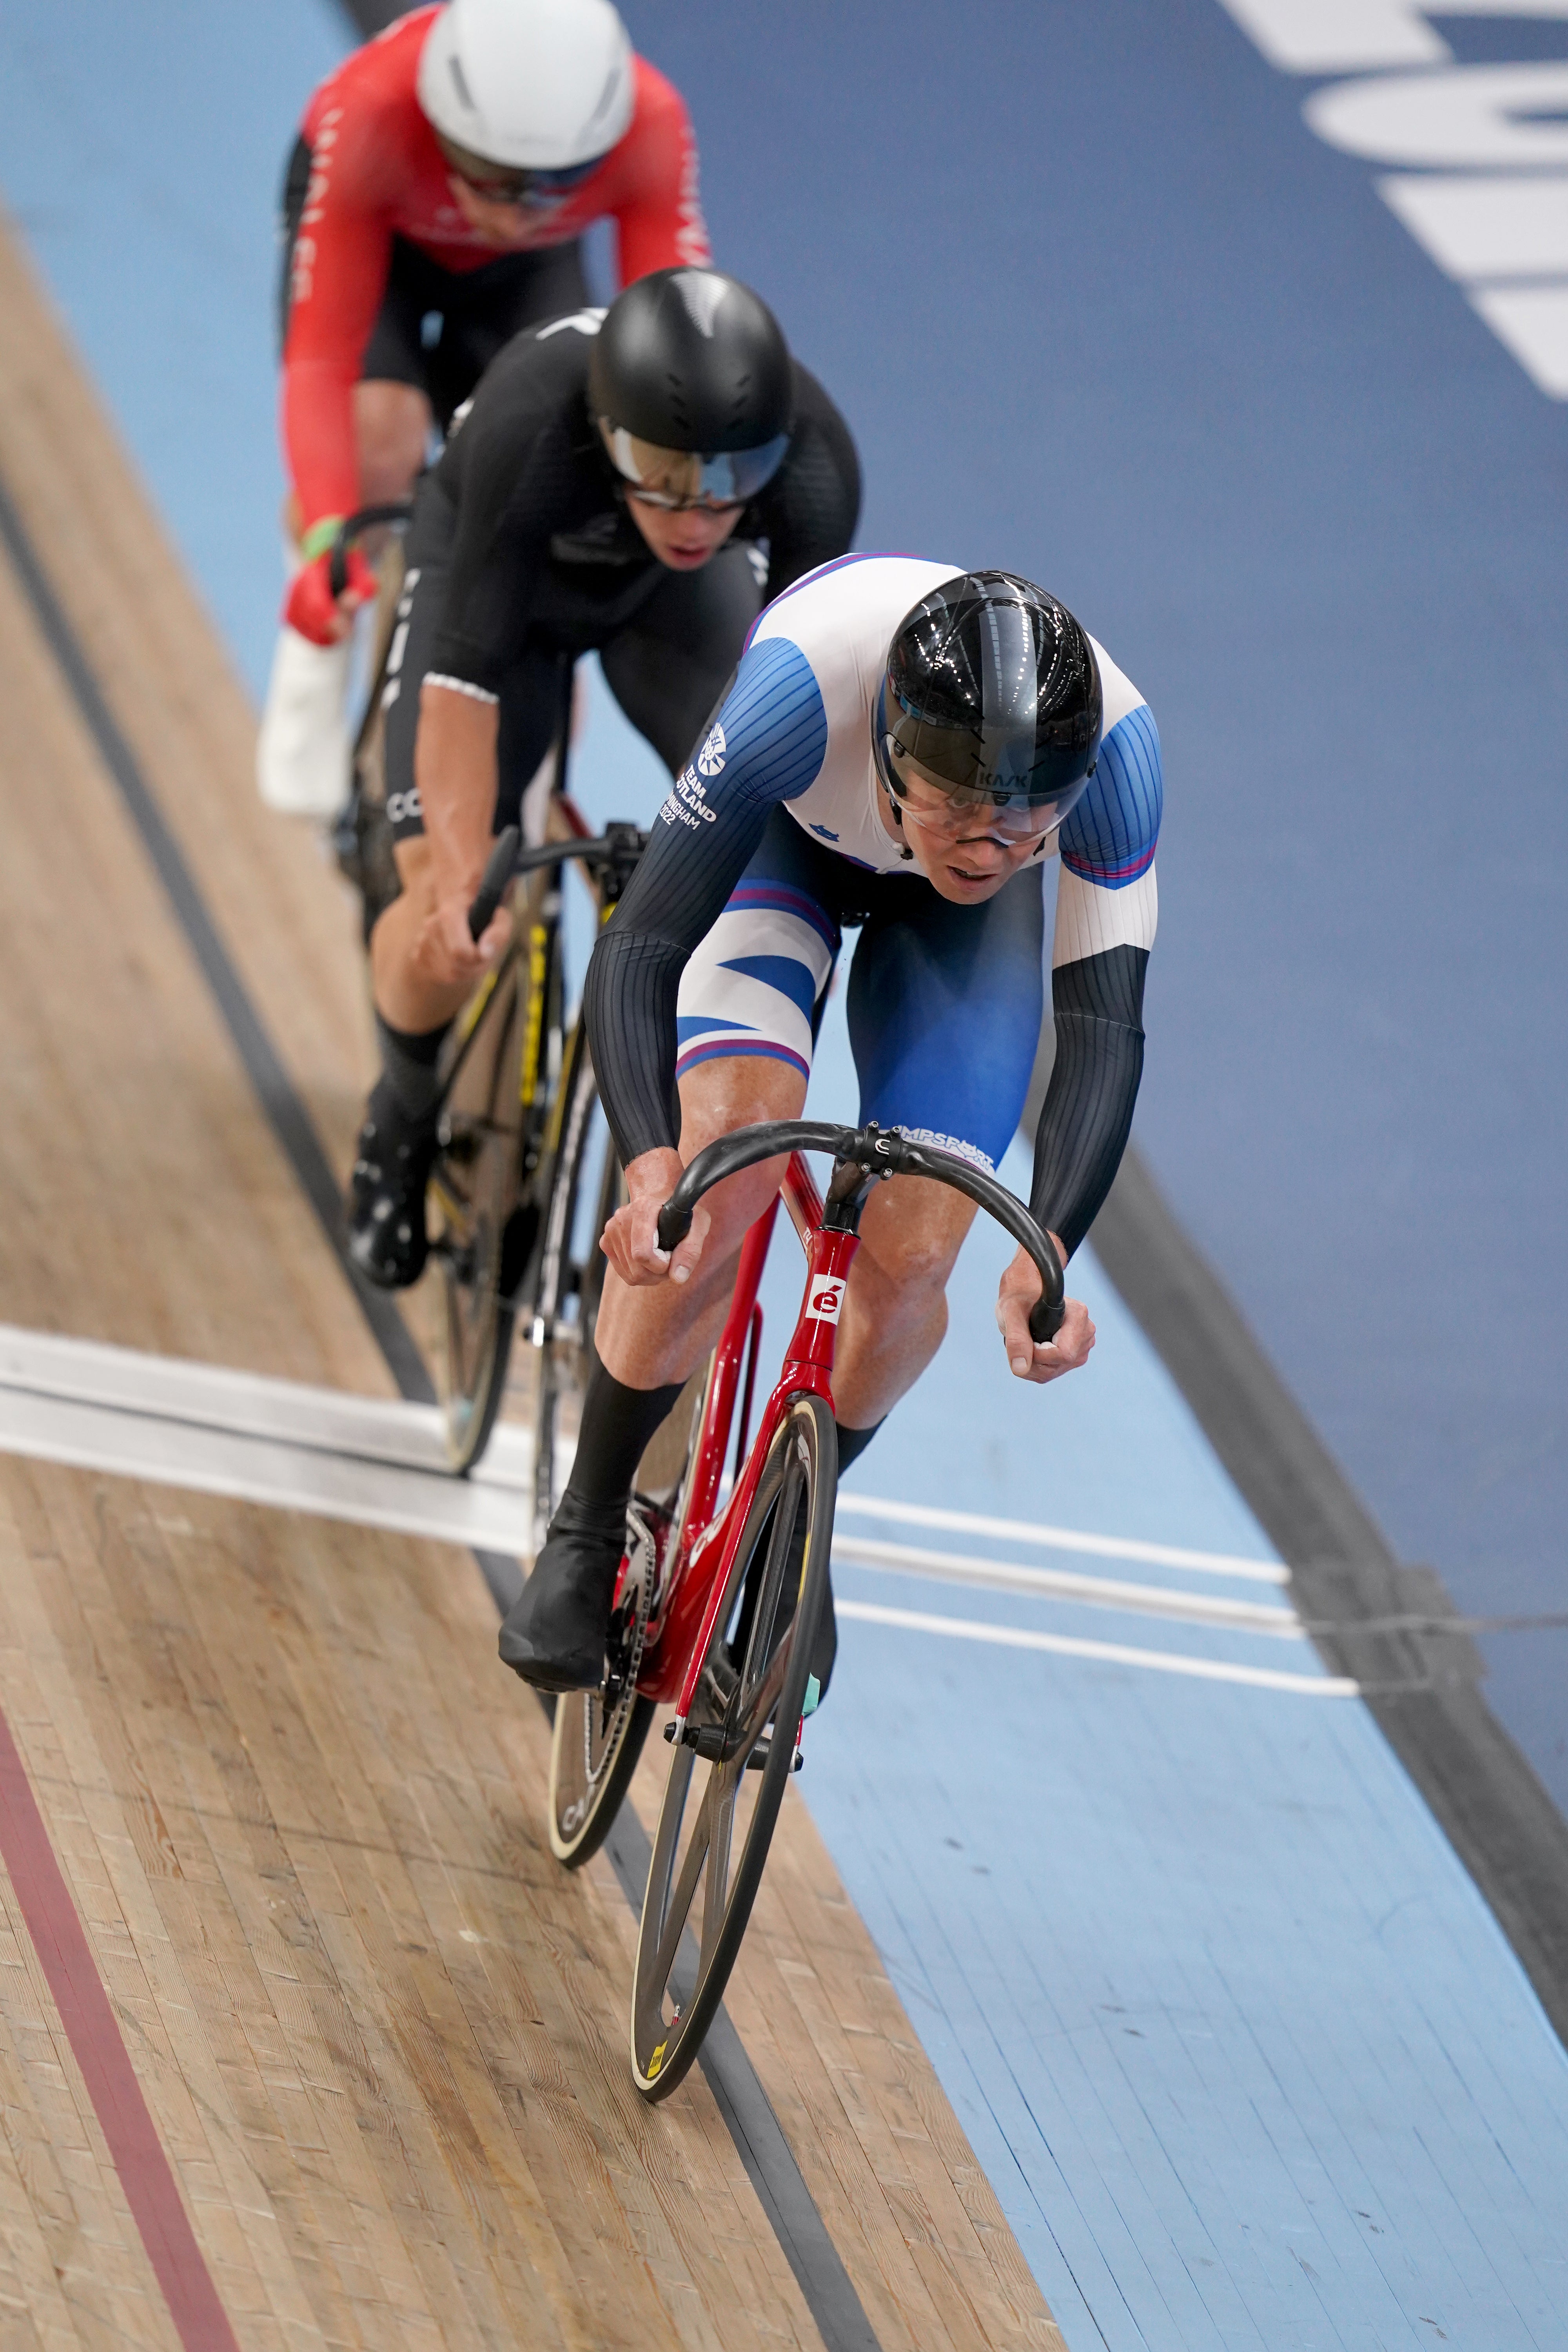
748 2114
1391 1625
289 1120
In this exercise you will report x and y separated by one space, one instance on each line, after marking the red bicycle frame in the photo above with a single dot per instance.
696 1580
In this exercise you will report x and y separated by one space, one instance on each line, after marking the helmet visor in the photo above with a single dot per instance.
501 183
963 797
676 479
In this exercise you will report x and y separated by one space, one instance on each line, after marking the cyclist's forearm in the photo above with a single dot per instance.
628 1002
1088 1111
455 768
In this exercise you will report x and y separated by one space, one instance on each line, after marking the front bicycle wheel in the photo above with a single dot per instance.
585 1188
727 1777
485 1238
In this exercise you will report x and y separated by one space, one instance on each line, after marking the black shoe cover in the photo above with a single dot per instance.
386 1193
555 1633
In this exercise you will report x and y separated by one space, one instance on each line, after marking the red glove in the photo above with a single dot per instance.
310 606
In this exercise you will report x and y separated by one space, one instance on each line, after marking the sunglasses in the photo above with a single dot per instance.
498 185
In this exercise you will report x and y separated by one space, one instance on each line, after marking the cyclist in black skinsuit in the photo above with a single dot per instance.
638 483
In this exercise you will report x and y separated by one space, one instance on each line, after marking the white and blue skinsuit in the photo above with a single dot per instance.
779 833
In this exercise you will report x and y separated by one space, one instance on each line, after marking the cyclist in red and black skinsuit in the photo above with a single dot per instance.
435 203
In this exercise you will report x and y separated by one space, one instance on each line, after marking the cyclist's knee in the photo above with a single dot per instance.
912 1232
736 1091
391 941
730 1092
391 427
415 870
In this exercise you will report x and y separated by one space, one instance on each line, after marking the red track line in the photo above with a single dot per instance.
93 2033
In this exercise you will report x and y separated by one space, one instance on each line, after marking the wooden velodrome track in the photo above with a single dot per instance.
360 2077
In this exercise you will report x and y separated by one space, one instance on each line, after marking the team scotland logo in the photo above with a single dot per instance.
710 758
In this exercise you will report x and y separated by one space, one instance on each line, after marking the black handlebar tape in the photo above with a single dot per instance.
367 518
674 1224
498 873
1045 1321
730 1153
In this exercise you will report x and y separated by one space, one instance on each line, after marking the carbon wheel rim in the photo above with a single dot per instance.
597 1732
475 1186
719 1810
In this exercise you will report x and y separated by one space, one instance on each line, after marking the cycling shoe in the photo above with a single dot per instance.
388 1240
555 1633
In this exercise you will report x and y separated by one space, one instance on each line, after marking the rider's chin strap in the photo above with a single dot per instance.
905 852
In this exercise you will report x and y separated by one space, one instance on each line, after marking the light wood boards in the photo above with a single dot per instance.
298 1804
382 2034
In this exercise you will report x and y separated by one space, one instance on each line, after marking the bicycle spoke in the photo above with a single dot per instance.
679 1910
765 1614
721 1804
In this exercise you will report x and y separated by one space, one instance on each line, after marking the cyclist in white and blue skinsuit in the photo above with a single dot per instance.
926 754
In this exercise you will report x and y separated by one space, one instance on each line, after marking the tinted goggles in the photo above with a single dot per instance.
681 478
498 184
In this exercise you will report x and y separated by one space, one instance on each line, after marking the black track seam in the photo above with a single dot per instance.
290 1122
1421 1682
748 2114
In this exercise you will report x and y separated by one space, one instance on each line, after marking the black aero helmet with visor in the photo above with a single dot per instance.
992 697
692 387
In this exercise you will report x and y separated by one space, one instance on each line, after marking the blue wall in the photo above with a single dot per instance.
1100 308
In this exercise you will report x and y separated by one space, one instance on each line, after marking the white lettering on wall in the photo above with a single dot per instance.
1485 150
1488 117
1324 36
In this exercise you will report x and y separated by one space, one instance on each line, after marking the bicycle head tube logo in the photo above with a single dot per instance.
827 1297
710 758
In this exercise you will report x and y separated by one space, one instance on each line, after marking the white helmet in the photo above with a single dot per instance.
537 85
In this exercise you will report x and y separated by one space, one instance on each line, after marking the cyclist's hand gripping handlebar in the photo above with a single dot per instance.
880 1154
499 867
615 851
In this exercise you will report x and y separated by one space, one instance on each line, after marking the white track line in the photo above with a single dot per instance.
1071 1584
374 1462
972 1523
1116 1653
248 1404
289 1477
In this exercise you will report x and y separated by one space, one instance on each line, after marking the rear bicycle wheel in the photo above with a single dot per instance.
585 1188
487 1226
727 1778
599 1735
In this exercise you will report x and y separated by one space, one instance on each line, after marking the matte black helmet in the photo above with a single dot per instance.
692 360
993 691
